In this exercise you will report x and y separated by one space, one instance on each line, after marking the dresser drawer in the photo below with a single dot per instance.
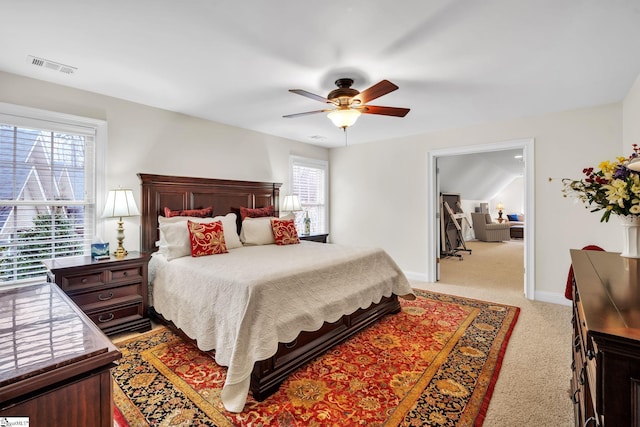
106 295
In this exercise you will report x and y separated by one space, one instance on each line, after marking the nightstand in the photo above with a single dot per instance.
321 238
113 292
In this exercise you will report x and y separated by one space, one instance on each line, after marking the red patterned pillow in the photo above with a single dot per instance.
206 239
198 213
284 231
256 212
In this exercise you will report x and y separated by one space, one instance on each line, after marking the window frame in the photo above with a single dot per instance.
316 164
35 118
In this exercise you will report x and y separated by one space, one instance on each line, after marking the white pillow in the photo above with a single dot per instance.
174 235
230 228
257 231
174 239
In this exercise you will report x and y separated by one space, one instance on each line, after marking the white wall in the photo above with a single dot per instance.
150 140
631 118
379 189
512 198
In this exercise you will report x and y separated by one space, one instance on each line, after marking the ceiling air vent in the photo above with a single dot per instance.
52 65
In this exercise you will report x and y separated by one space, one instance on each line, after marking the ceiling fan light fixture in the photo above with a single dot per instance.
343 118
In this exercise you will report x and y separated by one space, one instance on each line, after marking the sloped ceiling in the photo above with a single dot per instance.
479 176
457 62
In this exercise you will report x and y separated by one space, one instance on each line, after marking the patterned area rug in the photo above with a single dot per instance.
434 363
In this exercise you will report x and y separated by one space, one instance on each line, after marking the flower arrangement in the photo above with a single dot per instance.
613 188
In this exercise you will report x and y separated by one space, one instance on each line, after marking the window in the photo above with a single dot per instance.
47 196
309 182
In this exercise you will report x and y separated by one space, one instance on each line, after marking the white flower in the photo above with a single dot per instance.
617 192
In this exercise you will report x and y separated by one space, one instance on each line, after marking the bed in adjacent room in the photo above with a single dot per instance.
261 309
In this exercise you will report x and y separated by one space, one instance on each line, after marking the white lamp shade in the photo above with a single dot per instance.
120 203
500 206
344 118
291 203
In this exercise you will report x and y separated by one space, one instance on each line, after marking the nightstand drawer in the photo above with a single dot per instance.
110 314
105 295
127 274
73 283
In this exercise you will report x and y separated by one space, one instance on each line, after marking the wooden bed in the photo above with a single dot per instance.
160 191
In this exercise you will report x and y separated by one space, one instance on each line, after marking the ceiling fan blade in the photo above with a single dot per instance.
310 95
291 116
385 111
376 91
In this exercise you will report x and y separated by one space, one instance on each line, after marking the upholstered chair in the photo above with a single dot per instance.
487 230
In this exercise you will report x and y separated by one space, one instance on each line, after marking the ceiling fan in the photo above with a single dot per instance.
349 103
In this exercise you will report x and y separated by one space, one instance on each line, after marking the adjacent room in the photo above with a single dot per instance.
343 213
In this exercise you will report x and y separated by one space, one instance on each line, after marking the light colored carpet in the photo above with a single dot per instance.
533 386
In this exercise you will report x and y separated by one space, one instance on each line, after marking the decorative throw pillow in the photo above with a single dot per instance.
512 217
206 239
284 231
256 212
199 213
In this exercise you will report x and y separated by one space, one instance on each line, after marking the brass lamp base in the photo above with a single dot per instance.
120 251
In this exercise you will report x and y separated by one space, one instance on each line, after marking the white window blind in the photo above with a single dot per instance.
309 182
47 196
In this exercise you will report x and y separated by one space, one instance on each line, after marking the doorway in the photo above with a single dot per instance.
433 209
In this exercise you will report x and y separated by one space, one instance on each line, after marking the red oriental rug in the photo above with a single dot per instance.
434 363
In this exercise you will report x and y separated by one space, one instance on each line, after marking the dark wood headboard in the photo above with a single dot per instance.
179 192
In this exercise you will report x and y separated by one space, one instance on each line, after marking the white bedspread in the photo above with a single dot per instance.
246 301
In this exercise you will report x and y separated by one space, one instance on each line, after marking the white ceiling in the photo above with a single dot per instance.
480 176
457 62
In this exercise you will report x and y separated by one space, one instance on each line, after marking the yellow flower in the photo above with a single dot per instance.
607 168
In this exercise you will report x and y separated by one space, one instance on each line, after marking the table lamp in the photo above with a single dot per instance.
500 207
291 203
120 203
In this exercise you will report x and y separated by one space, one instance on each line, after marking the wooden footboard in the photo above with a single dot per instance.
268 374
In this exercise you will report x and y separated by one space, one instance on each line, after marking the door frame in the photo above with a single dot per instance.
433 221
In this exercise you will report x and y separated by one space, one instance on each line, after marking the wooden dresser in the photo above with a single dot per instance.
606 339
113 292
54 362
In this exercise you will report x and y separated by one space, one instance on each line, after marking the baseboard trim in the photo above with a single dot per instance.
419 277
552 297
